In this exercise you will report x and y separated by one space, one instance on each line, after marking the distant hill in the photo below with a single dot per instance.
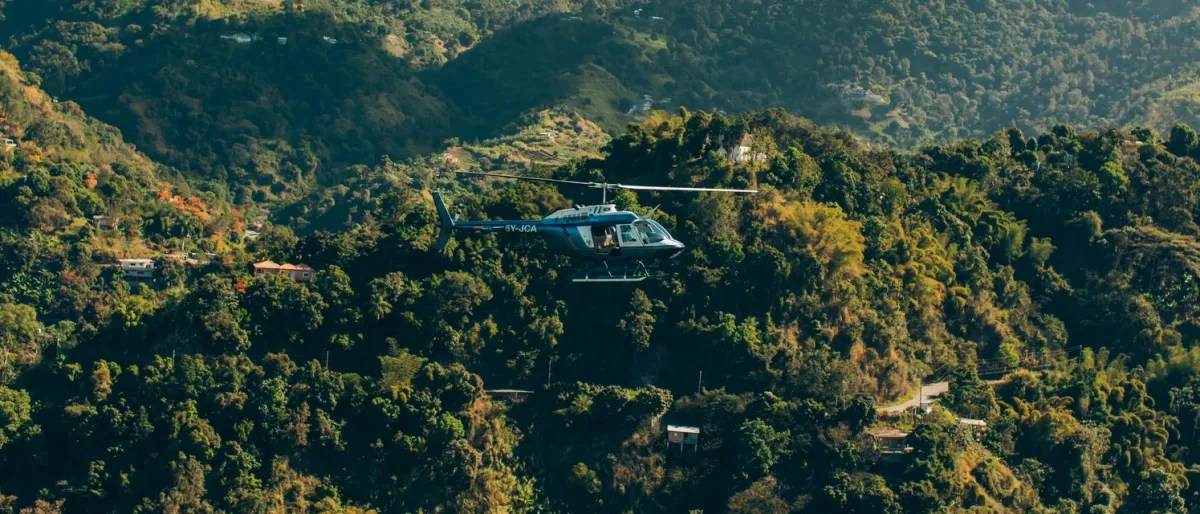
211 88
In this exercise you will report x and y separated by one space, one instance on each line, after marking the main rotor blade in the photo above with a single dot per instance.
536 179
665 188
606 186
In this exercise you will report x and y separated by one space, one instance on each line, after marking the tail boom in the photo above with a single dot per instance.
448 224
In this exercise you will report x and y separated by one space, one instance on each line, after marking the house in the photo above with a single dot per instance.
9 144
107 223
138 269
742 152
298 272
329 40
281 40
891 441
252 234
681 435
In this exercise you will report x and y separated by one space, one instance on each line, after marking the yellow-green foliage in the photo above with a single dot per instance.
817 231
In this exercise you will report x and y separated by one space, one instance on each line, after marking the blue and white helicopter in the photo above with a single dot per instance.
617 246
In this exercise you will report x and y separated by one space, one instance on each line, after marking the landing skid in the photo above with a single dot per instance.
633 272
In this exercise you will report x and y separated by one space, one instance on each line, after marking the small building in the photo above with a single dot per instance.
298 272
329 40
281 40
252 234
926 406
190 62
138 269
891 441
681 435
107 223
8 143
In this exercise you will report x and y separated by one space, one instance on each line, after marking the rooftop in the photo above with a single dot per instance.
683 429
285 266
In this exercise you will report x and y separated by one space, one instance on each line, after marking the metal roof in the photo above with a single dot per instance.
683 429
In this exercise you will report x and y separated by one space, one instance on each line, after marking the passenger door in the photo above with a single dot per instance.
629 236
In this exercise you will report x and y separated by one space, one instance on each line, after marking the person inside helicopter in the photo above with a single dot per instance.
605 238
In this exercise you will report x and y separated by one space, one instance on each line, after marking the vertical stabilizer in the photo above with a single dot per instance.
447 224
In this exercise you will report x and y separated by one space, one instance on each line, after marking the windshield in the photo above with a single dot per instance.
652 230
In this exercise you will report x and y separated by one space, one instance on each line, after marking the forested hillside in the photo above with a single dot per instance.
1027 235
1064 262
209 86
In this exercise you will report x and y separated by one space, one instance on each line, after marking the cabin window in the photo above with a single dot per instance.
305 275
627 234
652 233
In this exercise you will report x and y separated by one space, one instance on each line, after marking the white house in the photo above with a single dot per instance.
742 152
138 268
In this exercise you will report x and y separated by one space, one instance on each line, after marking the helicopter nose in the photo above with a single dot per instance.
674 248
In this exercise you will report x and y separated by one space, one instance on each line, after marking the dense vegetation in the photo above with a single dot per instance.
1064 261
355 81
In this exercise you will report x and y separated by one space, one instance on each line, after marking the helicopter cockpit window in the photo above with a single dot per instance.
627 235
653 231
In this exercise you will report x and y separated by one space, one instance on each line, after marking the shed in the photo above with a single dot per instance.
681 435
891 441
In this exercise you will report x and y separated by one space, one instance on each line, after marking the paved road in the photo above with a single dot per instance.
927 391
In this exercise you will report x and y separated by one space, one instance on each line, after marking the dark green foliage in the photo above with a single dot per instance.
1066 263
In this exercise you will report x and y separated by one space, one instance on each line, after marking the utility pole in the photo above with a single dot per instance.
700 383
920 395
549 369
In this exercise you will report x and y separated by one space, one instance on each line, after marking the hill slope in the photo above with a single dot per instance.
1068 259
273 121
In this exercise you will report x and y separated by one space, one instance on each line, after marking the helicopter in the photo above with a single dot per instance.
616 246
